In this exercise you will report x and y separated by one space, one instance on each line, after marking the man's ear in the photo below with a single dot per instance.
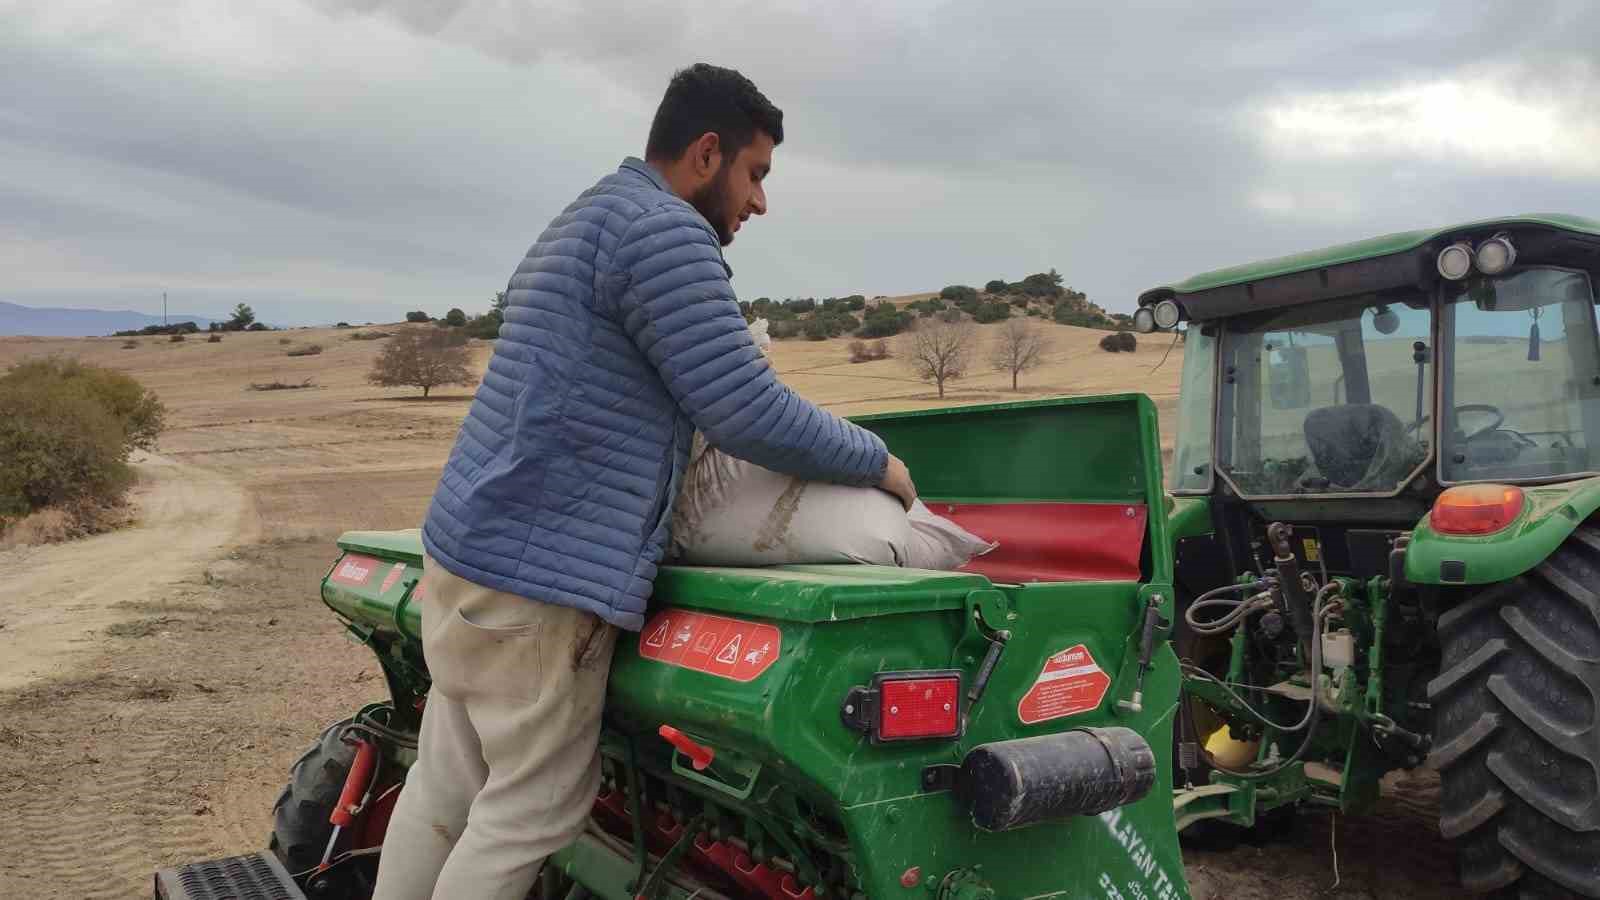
705 155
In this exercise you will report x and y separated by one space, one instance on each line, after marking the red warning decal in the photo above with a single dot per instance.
1070 683
726 648
355 571
395 571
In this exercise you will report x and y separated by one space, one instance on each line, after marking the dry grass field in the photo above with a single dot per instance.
155 683
344 454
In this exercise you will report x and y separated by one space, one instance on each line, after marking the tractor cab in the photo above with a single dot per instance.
1464 356
1383 480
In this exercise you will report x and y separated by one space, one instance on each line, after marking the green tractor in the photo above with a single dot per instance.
1385 553
840 731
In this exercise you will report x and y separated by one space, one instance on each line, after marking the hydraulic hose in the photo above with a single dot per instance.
1313 715
1239 610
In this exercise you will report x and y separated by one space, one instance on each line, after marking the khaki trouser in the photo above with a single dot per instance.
508 764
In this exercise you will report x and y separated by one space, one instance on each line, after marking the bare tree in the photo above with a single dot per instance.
1022 347
939 351
423 358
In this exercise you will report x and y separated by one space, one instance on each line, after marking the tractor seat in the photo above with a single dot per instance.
1355 442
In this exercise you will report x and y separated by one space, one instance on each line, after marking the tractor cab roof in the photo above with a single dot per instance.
1403 259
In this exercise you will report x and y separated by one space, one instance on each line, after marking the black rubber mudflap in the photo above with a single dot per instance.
258 876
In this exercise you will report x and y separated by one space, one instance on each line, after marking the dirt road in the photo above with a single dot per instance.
185 516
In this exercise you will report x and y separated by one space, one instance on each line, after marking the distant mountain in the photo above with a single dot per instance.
39 322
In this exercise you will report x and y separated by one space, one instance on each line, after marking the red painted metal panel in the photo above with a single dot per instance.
1053 541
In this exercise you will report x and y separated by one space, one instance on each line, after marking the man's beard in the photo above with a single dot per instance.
712 202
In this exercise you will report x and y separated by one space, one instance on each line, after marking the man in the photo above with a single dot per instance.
622 336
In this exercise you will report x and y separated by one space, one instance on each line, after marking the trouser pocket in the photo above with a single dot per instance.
480 642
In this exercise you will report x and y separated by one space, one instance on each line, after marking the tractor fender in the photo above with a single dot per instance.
1551 513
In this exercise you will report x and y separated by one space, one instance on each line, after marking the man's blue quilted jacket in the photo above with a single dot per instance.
621 337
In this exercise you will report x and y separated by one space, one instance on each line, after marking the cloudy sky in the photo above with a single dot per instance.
352 159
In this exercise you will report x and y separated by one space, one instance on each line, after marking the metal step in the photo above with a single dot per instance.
257 876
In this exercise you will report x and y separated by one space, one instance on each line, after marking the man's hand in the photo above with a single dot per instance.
897 481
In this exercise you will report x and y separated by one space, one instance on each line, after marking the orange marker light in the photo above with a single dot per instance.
1476 509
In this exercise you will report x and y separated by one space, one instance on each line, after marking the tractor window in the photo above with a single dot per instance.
1521 401
1326 398
1190 469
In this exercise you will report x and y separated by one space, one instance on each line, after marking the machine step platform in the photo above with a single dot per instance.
255 876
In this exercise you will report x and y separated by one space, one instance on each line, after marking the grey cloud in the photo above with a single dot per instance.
927 144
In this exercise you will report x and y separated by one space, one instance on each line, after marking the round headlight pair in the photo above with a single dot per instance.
1164 315
1493 256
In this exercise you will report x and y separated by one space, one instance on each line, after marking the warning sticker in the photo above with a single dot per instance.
355 571
395 571
726 648
1070 683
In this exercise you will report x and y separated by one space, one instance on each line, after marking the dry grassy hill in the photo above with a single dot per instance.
344 454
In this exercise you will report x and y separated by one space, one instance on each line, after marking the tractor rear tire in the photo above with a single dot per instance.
1517 736
300 826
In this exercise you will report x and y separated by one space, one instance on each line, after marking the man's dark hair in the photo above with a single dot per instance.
706 98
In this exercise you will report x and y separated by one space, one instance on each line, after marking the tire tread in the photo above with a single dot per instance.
1518 747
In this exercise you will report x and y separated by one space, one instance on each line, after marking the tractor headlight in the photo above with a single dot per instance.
1455 261
1144 321
1496 255
1167 314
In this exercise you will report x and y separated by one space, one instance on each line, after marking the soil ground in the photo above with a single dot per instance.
156 683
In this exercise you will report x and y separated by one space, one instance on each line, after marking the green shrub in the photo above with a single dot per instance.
997 286
417 316
861 351
58 444
1073 314
66 430
1119 342
883 320
1042 284
282 385
487 326
993 311
959 293
149 330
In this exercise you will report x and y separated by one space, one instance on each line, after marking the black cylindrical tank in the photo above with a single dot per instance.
1083 772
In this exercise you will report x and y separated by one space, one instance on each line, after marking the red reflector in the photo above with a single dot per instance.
919 708
1476 509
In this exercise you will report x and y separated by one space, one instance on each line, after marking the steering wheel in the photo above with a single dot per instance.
1499 419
